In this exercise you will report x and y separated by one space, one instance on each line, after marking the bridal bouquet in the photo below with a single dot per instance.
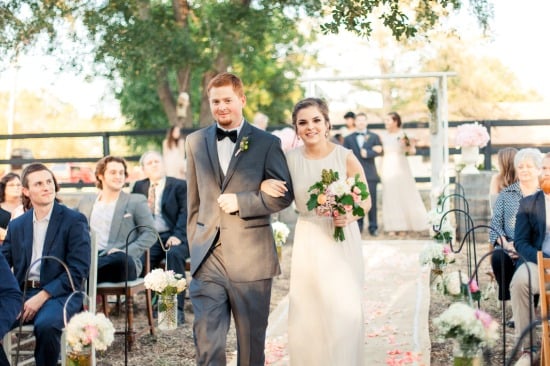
165 282
332 196
471 328
86 329
471 134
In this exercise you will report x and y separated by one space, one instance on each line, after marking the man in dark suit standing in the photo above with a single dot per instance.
47 229
531 235
10 303
233 254
167 199
366 146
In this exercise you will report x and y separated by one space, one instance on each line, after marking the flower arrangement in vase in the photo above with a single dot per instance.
167 284
280 234
85 330
441 228
470 328
470 137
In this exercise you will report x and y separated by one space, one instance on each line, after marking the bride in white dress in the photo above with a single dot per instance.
325 324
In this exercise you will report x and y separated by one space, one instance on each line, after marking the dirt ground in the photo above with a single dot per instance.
176 348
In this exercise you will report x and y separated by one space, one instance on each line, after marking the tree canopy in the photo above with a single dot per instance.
156 49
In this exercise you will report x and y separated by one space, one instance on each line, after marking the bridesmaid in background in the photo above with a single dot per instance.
402 206
173 153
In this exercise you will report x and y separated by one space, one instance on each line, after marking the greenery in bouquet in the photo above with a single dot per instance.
471 134
439 195
332 196
86 329
165 282
441 230
280 232
437 254
458 285
471 328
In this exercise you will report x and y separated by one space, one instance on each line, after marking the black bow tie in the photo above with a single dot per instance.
361 133
221 134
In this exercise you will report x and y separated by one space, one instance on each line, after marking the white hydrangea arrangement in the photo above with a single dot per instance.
280 232
86 329
457 284
437 254
446 232
472 328
165 282
471 134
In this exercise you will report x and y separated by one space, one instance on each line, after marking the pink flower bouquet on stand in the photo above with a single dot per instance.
471 135
332 196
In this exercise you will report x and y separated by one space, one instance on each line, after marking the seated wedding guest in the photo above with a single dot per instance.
10 303
527 164
167 199
11 205
112 214
47 229
506 173
531 234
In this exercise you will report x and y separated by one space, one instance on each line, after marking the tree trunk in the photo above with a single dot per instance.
220 65
166 97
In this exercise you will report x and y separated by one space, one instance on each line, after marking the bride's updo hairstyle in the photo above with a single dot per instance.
311 102
396 117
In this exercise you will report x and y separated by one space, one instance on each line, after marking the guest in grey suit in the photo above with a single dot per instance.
366 146
112 214
233 255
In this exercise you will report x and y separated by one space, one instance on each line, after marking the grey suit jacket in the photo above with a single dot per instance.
131 210
246 237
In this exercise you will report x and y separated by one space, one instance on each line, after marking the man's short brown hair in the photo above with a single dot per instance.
102 166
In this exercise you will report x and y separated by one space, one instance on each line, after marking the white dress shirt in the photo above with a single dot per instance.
226 148
39 229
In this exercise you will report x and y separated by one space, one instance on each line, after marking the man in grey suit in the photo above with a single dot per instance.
366 146
233 255
112 214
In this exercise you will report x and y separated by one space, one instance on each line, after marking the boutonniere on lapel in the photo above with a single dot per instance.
243 146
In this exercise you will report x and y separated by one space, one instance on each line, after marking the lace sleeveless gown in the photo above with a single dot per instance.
326 281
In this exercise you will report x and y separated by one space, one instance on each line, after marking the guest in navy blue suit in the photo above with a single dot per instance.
10 302
532 234
167 197
366 145
47 229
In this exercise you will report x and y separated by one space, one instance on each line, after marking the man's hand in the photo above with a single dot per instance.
363 153
33 305
173 241
228 202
